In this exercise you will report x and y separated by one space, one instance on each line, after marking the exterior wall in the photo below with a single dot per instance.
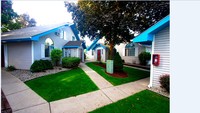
89 55
103 56
129 59
58 42
19 54
161 47
76 52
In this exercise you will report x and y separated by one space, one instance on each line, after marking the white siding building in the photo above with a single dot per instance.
158 35
23 46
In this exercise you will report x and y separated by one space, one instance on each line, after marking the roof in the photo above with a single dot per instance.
99 45
31 33
73 44
147 35
94 43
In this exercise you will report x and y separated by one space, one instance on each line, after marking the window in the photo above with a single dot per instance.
92 52
73 38
130 49
49 45
65 36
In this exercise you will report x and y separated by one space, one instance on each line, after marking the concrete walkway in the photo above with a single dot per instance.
106 95
20 97
95 77
90 101
23 100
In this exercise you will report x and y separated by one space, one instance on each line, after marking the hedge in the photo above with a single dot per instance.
41 65
70 62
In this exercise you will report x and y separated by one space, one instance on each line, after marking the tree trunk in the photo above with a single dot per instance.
111 51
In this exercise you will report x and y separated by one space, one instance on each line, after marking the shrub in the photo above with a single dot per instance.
164 81
47 64
70 62
37 66
41 65
56 55
118 63
10 68
144 57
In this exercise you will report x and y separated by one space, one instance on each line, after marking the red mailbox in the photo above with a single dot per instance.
156 59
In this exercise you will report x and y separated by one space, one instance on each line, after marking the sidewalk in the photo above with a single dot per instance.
106 95
95 77
23 100
20 97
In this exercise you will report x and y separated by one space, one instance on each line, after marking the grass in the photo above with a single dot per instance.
62 85
133 74
143 102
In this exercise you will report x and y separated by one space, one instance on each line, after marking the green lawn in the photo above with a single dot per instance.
62 85
133 74
143 102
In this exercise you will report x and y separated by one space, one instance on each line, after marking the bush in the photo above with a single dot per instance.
47 64
10 68
41 65
56 55
118 63
144 57
37 66
70 62
164 81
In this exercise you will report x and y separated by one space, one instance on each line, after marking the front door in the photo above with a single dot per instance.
98 55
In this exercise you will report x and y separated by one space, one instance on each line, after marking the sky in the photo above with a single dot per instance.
45 12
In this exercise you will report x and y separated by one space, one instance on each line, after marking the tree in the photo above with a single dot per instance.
25 20
7 16
10 20
115 20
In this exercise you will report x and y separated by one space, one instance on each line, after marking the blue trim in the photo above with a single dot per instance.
147 35
76 32
17 40
99 45
93 44
71 47
37 37
73 27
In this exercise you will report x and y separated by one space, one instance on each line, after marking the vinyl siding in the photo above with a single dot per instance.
161 47
20 55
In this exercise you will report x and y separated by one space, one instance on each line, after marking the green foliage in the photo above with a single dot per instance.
165 82
70 62
37 66
141 102
56 55
114 19
41 65
62 85
144 57
10 68
47 64
10 20
118 63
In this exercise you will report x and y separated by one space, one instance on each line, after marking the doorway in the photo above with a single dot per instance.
98 55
